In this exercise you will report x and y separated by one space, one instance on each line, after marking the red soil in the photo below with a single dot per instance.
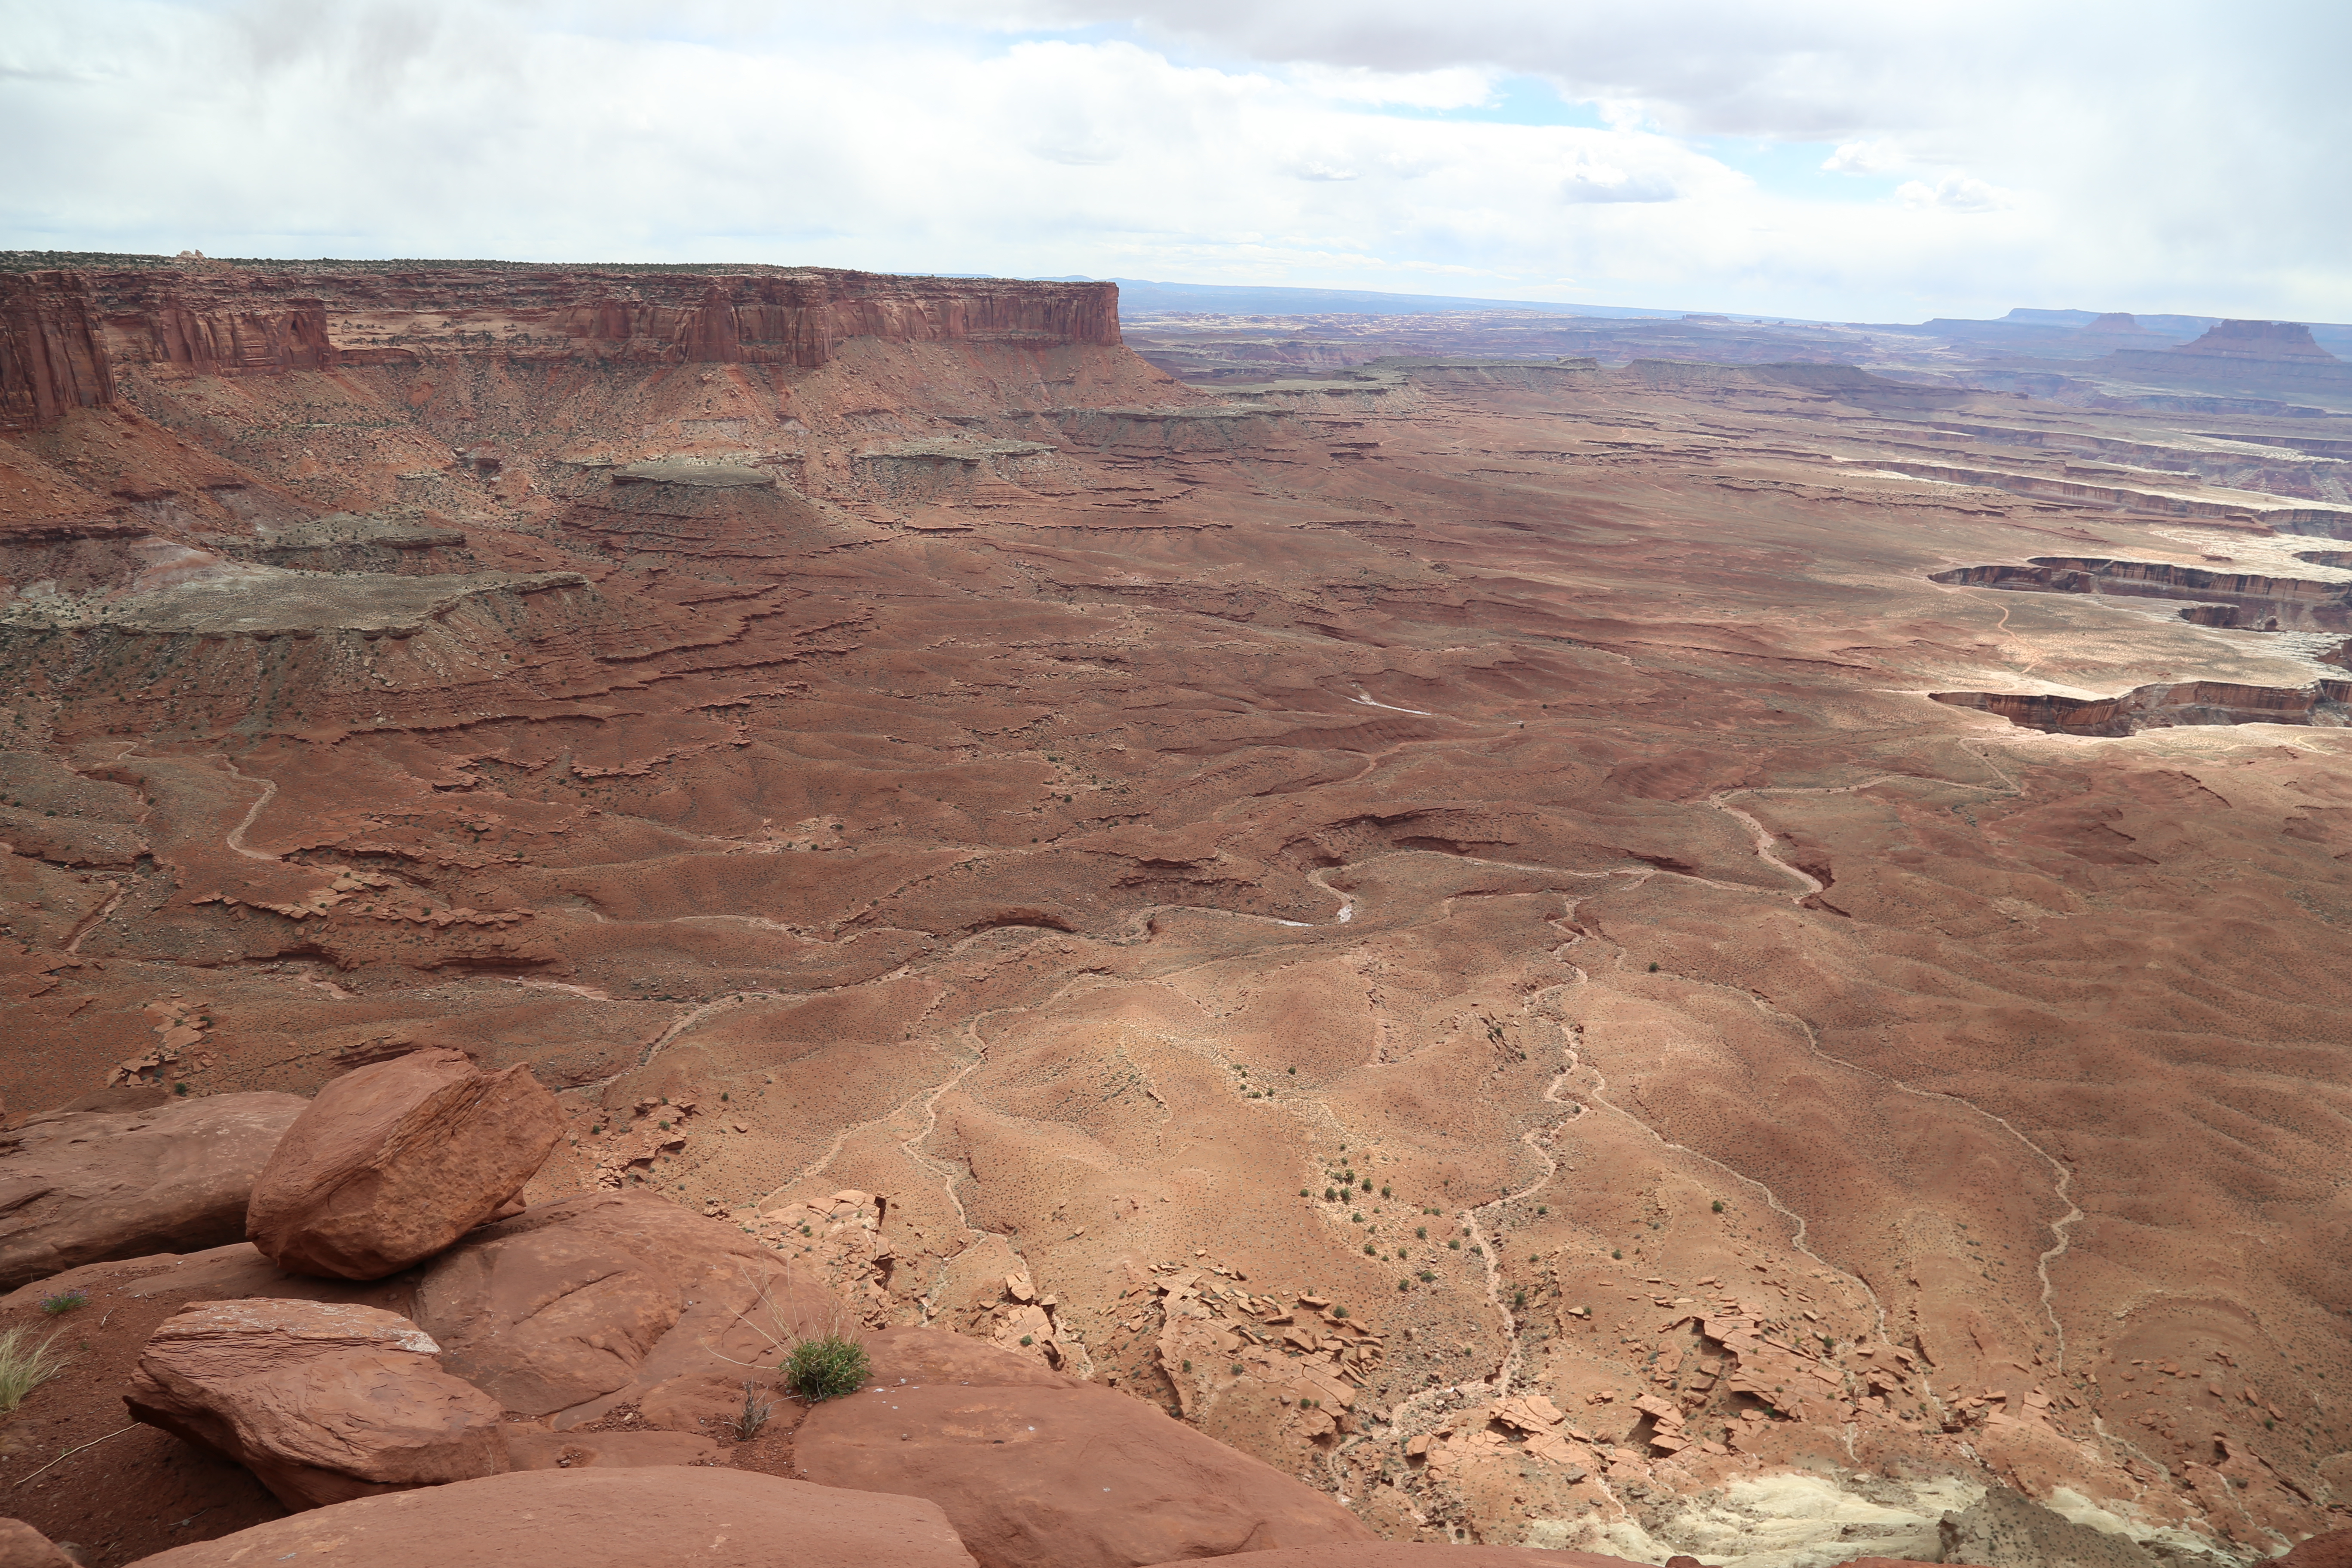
1088 812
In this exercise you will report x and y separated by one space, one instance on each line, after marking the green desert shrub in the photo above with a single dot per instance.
826 1367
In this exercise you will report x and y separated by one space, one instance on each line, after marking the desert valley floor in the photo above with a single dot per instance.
1779 940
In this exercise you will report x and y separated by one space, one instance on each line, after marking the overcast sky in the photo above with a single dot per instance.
1888 160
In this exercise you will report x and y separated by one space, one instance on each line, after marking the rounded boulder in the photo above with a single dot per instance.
396 1161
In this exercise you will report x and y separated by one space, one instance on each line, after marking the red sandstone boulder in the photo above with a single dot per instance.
574 1306
1037 1470
392 1163
608 1518
22 1546
93 1185
322 1402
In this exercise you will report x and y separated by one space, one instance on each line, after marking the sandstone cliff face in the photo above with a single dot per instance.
50 360
63 333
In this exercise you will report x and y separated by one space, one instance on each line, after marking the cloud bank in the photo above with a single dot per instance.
1844 161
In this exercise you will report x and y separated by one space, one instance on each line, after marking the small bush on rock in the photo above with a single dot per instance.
64 1302
754 1415
826 1367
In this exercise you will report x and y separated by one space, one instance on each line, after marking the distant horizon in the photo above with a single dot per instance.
1434 303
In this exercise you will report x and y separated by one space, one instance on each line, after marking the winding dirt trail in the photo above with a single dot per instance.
234 838
2062 1186
96 917
927 1099
2063 1178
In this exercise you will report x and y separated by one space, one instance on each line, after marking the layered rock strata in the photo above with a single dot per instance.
63 335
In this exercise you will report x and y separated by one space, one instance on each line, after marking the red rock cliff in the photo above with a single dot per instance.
61 332
51 358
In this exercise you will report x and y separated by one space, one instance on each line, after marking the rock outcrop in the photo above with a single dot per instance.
392 1163
323 1403
51 361
2256 354
2005 1530
574 1306
2258 341
1039 1470
710 1518
90 1186
63 333
2166 705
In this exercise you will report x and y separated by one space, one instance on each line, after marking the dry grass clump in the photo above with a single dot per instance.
24 1366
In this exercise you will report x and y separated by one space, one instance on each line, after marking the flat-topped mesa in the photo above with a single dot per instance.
2260 355
63 334
2259 341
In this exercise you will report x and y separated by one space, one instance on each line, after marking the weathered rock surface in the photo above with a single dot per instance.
227 1273
536 1448
323 1402
2006 1530
88 1186
629 1519
1037 1470
1414 1554
574 1307
22 1546
392 1163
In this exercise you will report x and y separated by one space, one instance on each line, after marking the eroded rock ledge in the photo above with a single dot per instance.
2325 703
64 334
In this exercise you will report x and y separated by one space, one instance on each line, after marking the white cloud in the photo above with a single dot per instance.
1455 87
2155 160
1955 191
1590 179
1877 157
